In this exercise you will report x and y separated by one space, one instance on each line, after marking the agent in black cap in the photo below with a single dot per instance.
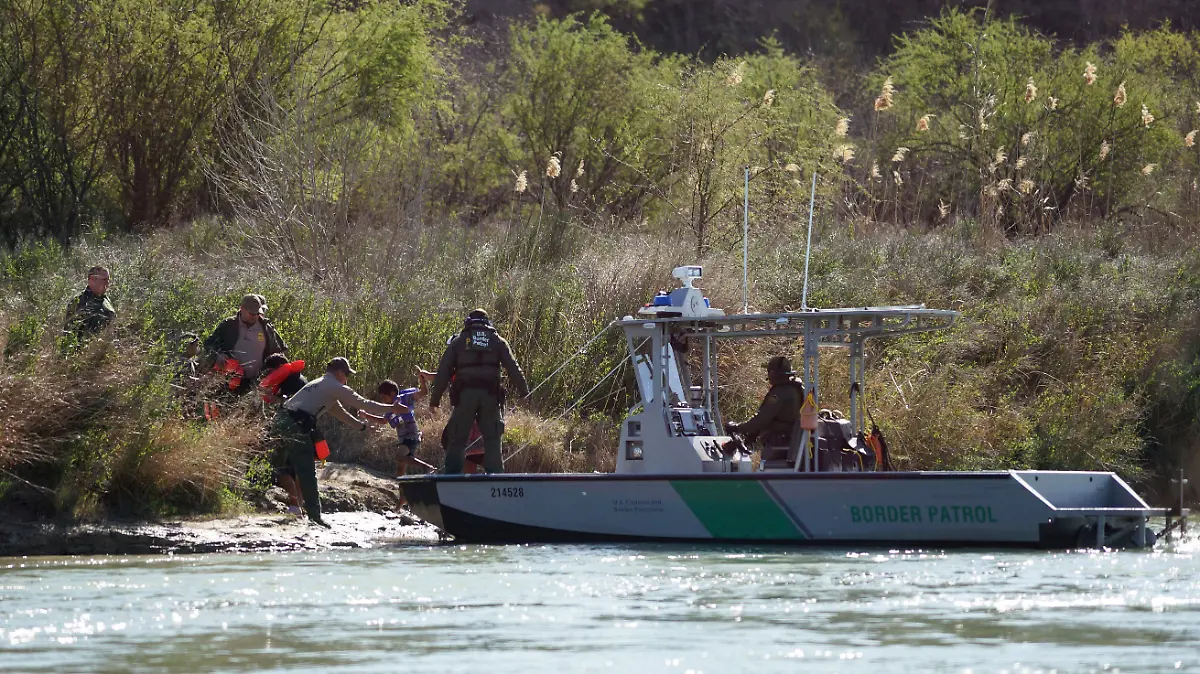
295 425
473 360
779 409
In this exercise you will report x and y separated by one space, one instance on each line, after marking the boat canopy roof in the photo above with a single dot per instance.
831 327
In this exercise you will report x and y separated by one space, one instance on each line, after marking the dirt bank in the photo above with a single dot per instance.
362 506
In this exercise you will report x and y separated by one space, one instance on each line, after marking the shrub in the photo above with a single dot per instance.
998 124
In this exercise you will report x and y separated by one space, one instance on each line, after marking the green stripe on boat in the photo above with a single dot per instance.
736 509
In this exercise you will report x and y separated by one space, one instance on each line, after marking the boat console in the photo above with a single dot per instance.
678 427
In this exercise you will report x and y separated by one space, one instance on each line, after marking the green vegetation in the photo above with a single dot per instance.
375 171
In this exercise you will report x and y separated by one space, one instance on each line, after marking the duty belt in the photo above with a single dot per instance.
303 419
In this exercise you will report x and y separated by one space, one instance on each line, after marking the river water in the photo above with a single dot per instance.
619 608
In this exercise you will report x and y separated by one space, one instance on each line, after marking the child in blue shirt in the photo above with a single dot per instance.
405 424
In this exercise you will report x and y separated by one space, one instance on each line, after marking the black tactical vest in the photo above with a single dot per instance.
478 358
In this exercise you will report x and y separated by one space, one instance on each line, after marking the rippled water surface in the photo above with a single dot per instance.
606 608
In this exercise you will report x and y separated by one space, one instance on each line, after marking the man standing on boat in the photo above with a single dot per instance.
473 360
779 410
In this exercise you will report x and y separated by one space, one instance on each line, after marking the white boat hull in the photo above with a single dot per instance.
1028 508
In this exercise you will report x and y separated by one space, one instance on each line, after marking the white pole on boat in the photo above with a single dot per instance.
746 245
808 249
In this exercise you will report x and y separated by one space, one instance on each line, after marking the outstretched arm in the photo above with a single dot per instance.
444 372
424 382
373 418
341 414
515 375
767 412
348 398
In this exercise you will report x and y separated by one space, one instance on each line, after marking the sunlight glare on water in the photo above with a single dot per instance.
563 609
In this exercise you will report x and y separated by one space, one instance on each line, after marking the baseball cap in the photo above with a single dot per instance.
340 364
255 304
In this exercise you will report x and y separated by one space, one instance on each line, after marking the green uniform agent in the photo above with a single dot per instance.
91 311
779 410
295 436
473 360
295 425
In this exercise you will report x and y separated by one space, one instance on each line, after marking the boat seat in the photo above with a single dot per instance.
783 457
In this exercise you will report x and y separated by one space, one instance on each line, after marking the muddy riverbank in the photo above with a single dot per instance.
363 507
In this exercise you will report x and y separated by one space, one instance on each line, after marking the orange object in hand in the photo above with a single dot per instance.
322 448
234 368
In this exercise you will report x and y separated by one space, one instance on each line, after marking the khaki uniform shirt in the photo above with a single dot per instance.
250 348
325 392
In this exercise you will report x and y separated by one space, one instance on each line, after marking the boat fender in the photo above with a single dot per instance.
808 413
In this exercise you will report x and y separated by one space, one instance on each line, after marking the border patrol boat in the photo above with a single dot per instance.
679 478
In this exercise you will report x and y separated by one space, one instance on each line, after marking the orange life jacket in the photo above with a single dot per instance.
270 384
235 371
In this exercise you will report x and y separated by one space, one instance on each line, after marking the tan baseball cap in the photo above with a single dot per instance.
255 304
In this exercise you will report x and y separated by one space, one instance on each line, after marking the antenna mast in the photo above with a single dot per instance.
808 249
746 246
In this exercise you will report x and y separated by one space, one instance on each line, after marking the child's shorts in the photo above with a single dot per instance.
408 447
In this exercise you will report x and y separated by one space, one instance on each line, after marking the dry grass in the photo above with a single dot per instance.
198 464
90 431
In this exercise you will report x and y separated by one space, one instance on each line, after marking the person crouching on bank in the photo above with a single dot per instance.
295 424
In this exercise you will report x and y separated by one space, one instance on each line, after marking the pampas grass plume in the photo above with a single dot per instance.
885 98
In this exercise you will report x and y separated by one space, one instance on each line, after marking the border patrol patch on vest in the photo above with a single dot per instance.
479 340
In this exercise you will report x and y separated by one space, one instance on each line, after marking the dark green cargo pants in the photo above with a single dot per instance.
296 449
475 405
